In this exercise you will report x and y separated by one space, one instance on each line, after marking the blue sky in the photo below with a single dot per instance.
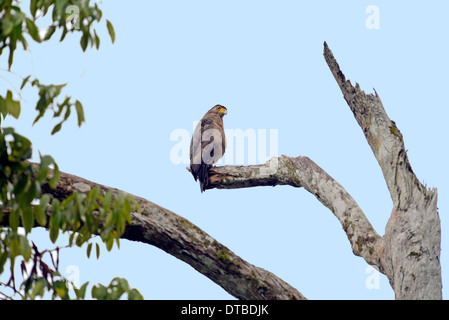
173 60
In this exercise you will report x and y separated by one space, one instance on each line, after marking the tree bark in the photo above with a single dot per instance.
303 172
409 252
410 248
179 237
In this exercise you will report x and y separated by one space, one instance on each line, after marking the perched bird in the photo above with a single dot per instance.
208 144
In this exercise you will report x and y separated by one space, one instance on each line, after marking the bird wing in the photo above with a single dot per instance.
207 146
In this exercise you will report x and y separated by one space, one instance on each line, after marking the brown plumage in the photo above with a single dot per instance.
208 144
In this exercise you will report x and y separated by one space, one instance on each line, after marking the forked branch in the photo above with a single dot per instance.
301 172
409 252
182 239
410 249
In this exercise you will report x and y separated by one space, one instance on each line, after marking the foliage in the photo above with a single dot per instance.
67 15
23 203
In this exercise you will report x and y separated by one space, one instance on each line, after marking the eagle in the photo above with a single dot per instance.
208 144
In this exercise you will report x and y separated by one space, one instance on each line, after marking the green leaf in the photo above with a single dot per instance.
30 193
33 8
3 258
49 32
68 110
20 145
13 107
91 202
55 220
27 219
24 43
110 241
3 109
39 288
72 235
54 180
61 289
24 82
84 41
11 55
45 200
56 128
97 40
97 250
38 117
20 185
14 246
89 249
54 232
111 30
42 173
7 25
32 30
14 219
134 294
40 210
25 247
12 48
17 18
82 238
99 292
64 33
39 214
121 283
107 200
79 113
60 6
81 292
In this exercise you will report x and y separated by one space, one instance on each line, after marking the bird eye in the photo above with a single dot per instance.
219 108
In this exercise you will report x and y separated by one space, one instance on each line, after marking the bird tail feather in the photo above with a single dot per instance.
203 176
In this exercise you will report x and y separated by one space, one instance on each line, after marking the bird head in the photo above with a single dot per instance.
221 110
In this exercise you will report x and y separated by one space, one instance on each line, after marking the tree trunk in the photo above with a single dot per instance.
410 248
409 252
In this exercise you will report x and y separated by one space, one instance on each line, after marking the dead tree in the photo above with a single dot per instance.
408 254
164 229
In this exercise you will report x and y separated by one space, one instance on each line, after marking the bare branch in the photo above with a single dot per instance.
382 135
179 237
410 249
303 172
